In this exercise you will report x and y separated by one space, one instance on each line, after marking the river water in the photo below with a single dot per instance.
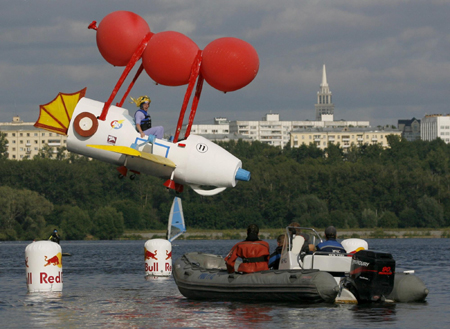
104 286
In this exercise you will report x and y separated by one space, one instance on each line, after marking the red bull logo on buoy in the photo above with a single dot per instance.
151 255
55 260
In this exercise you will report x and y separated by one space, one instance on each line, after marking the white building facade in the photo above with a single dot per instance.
345 137
434 126
25 141
220 126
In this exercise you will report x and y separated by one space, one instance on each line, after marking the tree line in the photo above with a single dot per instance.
406 185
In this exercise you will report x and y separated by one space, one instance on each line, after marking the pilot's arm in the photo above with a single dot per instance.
138 127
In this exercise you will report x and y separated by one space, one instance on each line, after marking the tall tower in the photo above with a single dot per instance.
324 106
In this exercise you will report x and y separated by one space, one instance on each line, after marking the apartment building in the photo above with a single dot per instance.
25 140
434 126
272 131
346 137
410 129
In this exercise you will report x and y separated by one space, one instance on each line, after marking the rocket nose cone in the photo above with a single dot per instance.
242 175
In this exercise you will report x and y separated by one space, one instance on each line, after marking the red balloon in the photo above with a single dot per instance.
229 64
168 58
118 36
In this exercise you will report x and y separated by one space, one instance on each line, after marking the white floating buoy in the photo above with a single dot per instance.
43 261
158 258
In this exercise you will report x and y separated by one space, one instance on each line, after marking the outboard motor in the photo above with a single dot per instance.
371 276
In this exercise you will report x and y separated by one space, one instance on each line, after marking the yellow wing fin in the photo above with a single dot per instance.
56 115
132 152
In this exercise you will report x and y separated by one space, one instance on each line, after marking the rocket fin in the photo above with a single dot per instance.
132 152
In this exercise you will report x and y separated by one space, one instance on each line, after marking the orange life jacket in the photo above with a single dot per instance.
254 254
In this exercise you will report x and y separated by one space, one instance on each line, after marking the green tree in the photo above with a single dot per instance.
319 220
75 223
3 148
430 212
369 218
22 211
408 217
107 223
61 153
132 214
308 204
388 220
341 219
45 152
334 153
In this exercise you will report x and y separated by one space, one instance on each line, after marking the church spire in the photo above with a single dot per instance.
324 78
324 106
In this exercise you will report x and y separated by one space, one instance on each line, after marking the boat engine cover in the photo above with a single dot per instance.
372 275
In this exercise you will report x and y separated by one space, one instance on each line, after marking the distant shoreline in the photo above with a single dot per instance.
268 234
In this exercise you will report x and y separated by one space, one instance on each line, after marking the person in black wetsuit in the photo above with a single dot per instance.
55 236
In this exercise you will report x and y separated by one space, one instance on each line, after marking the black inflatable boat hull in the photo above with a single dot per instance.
203 276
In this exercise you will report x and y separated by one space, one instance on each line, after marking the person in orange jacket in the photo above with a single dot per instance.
253 252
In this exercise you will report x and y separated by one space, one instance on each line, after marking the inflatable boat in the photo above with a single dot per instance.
205 276
358 276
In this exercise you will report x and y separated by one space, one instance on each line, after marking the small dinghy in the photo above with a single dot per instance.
358 276
204 276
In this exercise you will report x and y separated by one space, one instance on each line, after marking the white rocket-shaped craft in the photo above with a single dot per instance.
195 161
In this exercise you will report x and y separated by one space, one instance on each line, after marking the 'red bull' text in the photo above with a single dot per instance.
45 278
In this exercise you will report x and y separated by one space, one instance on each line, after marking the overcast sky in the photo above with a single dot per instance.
386 60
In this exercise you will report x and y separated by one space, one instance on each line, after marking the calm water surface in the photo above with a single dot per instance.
104 287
